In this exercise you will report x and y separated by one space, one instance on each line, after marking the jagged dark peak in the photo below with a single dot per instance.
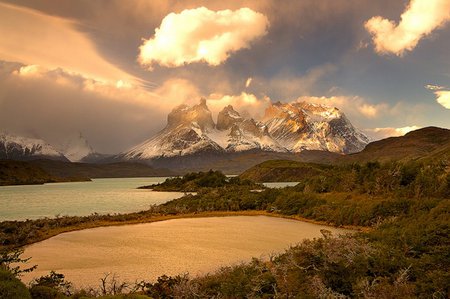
202 104
185 115
227 118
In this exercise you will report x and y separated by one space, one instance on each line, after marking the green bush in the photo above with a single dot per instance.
11 287
44 292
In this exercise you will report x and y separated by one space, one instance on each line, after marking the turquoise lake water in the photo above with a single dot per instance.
102 196
117 195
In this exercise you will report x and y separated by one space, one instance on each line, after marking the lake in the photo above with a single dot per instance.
117 195
146 251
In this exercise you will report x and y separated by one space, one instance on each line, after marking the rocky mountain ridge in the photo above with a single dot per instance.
292 127
14 147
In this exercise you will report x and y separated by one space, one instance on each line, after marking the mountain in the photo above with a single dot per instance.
14 147
428 145
285 128
304 126
186 133
78 149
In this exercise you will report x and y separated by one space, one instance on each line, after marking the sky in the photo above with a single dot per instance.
112 70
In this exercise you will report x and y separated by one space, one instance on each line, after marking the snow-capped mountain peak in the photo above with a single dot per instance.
77 148
285 127
23 148
185 115
227 118
300 125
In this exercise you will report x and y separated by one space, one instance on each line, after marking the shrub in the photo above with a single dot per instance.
11 287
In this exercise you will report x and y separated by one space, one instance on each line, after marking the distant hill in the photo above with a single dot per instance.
26 173
426 143
113 170
236 163
51 171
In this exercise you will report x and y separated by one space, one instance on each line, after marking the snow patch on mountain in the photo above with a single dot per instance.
77 148
15 147
290 127
302 126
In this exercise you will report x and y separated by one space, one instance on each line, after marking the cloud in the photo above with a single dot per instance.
247 104
53 103
434 87
381 133
287 86
248 82
419 19
442 94
354 106
199 34
32 37
443 98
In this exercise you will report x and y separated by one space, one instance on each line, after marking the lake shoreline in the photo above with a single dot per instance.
151 219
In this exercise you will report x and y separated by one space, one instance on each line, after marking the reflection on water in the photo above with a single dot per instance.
146 251
118 195
280 184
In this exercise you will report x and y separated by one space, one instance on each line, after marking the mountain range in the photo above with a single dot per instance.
193 141
284 128
74 149
14 147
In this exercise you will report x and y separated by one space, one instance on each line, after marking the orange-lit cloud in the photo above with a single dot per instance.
419 19
248 82
171 93
442 94
31 37
381 133
247 104
201 34
443 98
112 115
352 105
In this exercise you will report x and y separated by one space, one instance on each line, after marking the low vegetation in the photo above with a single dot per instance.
283 171
404 253
195 181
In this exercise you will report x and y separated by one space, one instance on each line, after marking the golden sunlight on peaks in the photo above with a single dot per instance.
246 104
31 37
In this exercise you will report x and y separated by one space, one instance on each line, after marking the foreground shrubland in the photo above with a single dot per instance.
403 253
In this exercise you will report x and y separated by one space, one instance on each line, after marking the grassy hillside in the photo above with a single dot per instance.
113 170
426 143
282 171
425 146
